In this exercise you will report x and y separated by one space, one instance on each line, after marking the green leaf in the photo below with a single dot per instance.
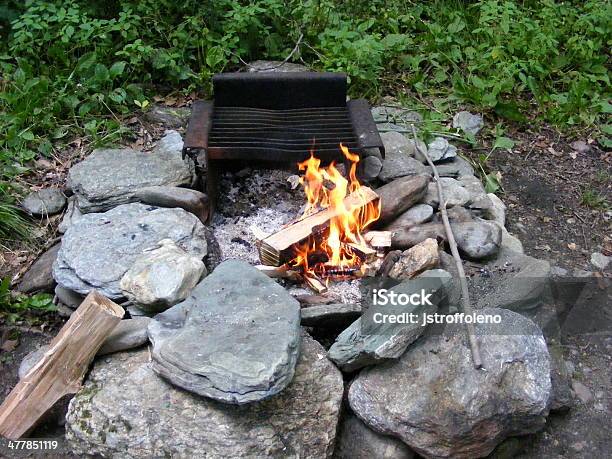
492 184
214 56
117 69
504 142
27 135
510 111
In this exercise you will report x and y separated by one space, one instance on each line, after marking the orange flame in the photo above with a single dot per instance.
326 187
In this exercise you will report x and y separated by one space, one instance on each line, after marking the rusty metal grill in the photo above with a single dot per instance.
267 118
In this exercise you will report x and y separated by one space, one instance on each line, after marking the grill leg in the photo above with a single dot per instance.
212 181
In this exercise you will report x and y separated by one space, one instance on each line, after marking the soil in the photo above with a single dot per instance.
544 183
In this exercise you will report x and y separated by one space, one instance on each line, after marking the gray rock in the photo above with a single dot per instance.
366 342
330 315
108 178
456 168
580 146
522 285
276 66
99 248
477 239
473 186
497 211
434 400
582 392
416 215
467 122
192 201
49 201
399 161
169 117
128 334
162 276
454 193
510 243
403 118
125 410
71 215
372 166
358 441
600 261
39 276
439 150
561 380
235 339
68 298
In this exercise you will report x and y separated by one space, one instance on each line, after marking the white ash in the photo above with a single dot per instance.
263 199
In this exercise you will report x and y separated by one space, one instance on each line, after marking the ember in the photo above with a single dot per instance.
336 250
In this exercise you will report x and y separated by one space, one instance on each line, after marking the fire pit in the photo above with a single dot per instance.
274 119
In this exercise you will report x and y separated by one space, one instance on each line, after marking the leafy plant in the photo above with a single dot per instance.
594 200
12 307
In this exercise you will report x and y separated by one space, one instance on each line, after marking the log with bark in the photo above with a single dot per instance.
60 371
400 195
416 260
278 248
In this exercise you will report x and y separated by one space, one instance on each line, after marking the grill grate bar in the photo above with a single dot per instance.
293 111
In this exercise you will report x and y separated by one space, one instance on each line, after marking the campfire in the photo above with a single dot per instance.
328 241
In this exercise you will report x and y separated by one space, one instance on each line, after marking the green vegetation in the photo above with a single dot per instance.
76 67
15 307
594 200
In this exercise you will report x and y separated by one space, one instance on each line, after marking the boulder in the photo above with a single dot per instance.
39 276
376 336
372 165
330 315
235 339
49 201
400 195
99 248
110 177
434 400
192 201
128 334
416 215
438 150
397 164
473 186
126 410
468 122
358 441
162 276
454 193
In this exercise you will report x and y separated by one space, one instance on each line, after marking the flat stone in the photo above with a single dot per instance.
110 177
330 315
162 276
49 201
71 215
39 276
358 441
126 410
99 248
434 400
235 339
128 334
456 168
192 201
399 161
275 66
401 116
416 215
468 122
454 193
68 298
366 342
169 117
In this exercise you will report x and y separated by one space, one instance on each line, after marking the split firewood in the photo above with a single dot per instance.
465 294
366 254
60 371
400 195
277 248
415 260
315 283
378 239
279 272
316 300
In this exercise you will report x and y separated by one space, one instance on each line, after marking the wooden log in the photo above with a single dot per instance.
415 260
307 300
60 371
400 195
378 239
315 283
277 248
279 272
406 238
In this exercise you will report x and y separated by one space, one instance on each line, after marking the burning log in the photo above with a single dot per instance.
415 260
400 195
279 272
315 283
278 248
378 239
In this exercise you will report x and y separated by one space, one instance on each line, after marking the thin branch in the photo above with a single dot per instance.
284 61
465 295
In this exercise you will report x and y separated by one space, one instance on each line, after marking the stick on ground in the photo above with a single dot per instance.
465 295
60 371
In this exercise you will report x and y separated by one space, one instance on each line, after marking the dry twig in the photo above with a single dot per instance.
465 295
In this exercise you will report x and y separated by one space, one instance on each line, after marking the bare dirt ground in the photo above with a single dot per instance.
544 181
